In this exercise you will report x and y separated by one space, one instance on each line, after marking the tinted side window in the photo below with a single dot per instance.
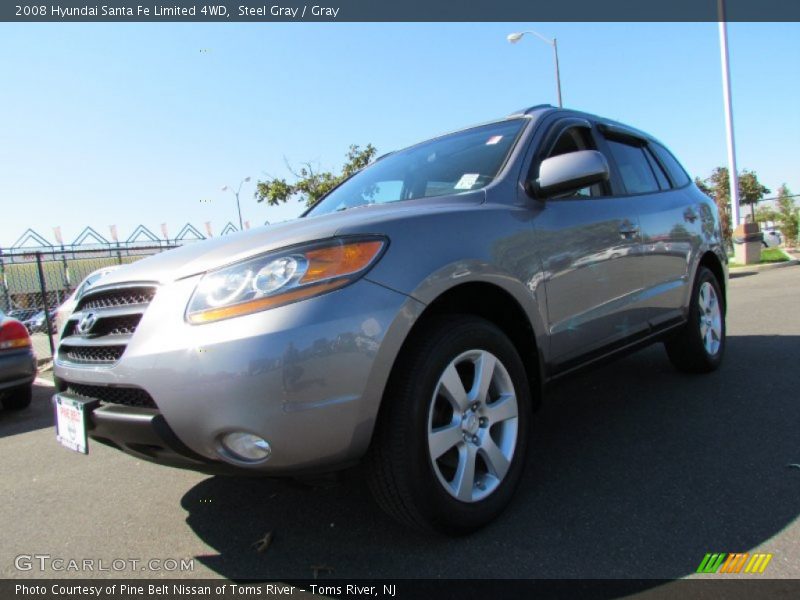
632 163
573 140
673 167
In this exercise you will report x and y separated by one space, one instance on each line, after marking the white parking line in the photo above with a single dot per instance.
44 382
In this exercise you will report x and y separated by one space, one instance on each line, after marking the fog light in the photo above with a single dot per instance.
246 446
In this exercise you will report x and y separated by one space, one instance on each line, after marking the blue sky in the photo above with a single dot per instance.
143 123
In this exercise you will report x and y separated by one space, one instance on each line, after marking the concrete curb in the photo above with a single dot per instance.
44 364
750 269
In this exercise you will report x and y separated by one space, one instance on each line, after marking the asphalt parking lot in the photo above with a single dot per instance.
636 471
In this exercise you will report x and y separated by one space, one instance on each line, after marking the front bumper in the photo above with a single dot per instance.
17 368
144 433
307 377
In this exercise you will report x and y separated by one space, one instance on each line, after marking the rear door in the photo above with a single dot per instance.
672 230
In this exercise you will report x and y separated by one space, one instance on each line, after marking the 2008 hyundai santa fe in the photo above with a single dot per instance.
409 320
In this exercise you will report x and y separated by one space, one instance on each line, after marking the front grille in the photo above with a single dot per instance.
128 396
117 297
124 325
91 354
116 313
116 325
69 329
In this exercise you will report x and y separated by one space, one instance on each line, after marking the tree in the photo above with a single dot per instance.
718 187
311 183
751 190
787 215
766 214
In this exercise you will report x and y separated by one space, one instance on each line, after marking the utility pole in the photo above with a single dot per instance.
733 174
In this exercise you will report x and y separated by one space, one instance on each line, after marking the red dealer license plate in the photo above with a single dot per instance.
71 422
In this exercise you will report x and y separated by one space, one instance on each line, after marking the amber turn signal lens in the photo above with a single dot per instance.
336 261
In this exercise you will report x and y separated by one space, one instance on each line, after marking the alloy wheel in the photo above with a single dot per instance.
710 318
473 425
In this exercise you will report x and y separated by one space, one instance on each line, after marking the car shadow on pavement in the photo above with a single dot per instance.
36 416
635 471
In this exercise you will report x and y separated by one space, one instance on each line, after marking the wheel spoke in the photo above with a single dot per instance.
716 325
712 299
701 300
505 408
494 458
464 481
484 371
442 439
453 389
709 341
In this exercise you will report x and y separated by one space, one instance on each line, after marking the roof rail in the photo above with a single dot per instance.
529 110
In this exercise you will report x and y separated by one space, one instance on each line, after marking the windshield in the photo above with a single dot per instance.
452 164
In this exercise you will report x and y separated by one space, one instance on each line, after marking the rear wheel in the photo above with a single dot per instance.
18 398
450 443
699 346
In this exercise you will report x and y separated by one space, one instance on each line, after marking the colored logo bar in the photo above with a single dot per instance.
734 562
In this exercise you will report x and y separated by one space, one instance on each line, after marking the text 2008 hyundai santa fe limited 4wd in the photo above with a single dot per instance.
409 319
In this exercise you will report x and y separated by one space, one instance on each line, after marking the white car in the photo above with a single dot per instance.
68 306
772 238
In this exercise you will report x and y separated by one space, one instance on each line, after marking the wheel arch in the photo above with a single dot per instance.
498 306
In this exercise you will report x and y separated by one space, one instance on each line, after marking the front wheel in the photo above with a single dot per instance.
451 439
700 344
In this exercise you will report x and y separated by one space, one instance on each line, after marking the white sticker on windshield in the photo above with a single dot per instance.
493 140
467 181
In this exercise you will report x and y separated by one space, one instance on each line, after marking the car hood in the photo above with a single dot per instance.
201 256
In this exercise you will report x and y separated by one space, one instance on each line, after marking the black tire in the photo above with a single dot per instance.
401 472
686 349
18 398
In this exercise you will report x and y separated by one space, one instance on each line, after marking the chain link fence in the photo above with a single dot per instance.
36 284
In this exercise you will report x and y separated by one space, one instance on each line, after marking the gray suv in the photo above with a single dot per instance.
409 320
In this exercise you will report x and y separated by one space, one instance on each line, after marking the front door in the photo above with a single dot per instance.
590 246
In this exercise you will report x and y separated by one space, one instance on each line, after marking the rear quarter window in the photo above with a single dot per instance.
673 167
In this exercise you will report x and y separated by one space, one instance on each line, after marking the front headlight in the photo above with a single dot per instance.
282 277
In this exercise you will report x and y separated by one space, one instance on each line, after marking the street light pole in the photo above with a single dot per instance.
513 38
733 174
558 73
225 188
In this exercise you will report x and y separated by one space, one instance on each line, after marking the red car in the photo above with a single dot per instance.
17 364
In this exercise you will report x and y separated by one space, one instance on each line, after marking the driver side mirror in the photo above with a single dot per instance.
570 172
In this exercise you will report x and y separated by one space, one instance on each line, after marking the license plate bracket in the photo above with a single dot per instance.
72 416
